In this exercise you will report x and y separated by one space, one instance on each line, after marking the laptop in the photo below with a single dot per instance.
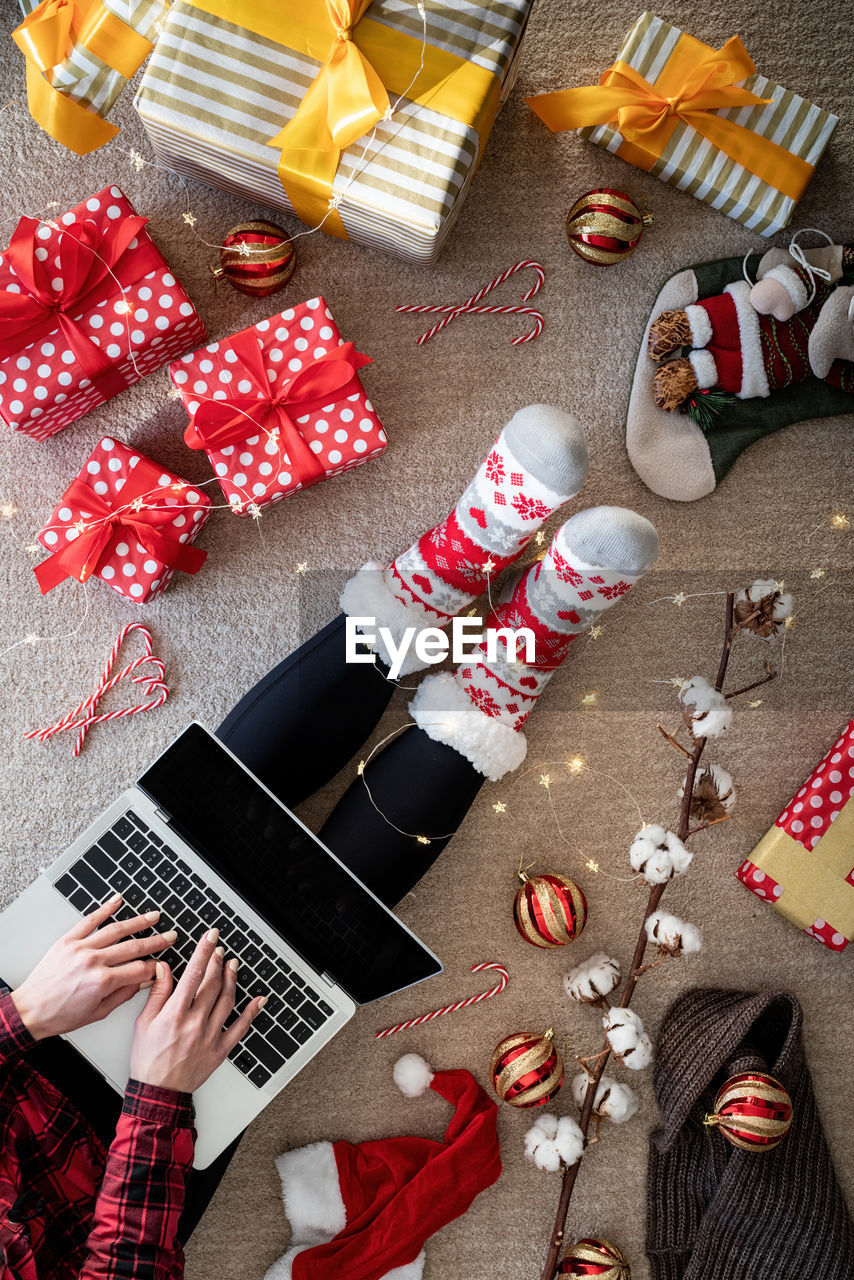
200 838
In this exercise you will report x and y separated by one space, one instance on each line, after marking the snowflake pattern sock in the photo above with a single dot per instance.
537 463
594 559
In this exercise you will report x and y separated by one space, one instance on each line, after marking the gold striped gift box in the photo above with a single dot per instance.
215 93
693 164
82 75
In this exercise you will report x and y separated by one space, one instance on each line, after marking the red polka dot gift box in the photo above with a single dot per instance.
126 520
804 866
279 407
88 306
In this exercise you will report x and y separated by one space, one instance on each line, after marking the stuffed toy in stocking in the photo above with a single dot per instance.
726 362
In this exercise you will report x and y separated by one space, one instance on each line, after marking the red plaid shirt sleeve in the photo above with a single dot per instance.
135 1230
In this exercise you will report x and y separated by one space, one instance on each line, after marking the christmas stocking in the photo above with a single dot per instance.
594 559
743 364
537 463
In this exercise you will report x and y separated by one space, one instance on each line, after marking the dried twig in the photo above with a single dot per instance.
672 740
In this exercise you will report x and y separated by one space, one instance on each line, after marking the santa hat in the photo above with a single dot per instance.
364 1211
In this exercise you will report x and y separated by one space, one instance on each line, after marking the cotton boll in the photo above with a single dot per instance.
659 854
552 1143
714 794
615 1100
672 935
625 1034
593 980
705 711
763 608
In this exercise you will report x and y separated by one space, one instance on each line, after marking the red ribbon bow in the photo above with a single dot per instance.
216 424
94 263
103 525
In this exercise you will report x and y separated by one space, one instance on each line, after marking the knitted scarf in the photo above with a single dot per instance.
715 1212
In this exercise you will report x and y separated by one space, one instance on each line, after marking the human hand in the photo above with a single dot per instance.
89 972
179 1039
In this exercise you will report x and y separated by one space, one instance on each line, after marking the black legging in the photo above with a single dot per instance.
304 721
295 730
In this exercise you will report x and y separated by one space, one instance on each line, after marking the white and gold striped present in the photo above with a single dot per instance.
82 74
226 77
660 88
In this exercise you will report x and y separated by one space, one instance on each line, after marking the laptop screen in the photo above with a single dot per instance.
283 871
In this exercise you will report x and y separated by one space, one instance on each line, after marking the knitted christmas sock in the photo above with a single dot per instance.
594 559
715 1212
537 463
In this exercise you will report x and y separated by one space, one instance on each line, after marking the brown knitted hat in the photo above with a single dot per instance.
715 1212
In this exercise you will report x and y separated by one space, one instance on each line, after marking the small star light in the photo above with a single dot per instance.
173 394
591 864
488 566
235 502
123 307
839 521
33 549
790 622
596 632
679 599
500 806
274 435
334 203
422 839
539 537
178 486
388 114
545 780
137 160
361 768
32 638
817 573
244 249
588 700
189 218
302 567
677 681
137 504
254 510
80 526
575 765
757 702
8 510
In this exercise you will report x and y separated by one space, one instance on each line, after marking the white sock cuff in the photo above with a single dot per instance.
705 368
700 325
368 595
443 710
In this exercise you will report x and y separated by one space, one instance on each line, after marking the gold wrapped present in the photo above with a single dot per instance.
365 119
702 120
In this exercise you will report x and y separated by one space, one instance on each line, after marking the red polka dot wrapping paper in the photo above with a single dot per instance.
260 470
804 866
170 504
145 321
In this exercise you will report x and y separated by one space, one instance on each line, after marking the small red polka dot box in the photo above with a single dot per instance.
88 306
126 520
279 407
804 866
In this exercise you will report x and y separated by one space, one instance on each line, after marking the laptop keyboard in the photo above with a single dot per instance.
132 860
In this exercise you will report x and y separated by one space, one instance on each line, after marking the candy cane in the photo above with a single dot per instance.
83 716
469 306
452 1008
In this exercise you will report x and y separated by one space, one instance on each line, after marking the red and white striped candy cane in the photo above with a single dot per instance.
83 716
452 1008
470 305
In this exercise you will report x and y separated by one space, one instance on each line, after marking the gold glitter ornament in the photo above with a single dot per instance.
526 1069
592 1256
605 226
549 910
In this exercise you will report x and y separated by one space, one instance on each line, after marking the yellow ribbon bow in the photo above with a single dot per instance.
344 101
695 83
46 37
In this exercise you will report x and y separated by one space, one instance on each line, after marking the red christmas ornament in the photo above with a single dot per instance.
526 1069
753 1111
605 226
549 910
256 258
594 1257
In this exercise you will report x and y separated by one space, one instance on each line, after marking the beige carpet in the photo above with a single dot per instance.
442 406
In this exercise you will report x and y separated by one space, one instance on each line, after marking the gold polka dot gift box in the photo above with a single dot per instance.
88 306
804 866
279 406
126 520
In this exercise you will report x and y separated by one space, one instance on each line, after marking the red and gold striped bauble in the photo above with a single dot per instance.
753 1111
594 1257
256 258
550 910
605 226
526 1069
